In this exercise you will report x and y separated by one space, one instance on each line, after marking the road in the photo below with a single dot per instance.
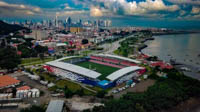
109 48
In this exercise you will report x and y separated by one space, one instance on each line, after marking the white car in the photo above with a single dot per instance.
114 91
120 89
123 88
133 84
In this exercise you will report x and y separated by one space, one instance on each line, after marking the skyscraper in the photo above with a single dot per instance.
56 21
69 21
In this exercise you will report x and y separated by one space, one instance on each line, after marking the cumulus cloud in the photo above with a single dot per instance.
7 9
73 12
123 7
186 2
195 10
96 12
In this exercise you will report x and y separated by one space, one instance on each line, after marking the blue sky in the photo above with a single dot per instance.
150 13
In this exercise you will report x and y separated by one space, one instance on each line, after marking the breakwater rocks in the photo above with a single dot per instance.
142 47
147 39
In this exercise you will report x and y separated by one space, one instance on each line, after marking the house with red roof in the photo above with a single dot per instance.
8 81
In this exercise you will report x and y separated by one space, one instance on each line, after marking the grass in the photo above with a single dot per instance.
71 85
103 69
34 61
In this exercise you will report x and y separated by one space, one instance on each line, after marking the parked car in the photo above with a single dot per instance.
115 91
133 84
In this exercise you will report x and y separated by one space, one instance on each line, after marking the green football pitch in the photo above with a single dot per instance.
103 69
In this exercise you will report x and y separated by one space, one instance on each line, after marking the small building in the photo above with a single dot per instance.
23 88
8 81
76 29
56 106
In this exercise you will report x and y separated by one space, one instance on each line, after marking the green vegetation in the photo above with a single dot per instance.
129 46
70 87
34 61
8 28
84 41
34 108
101 94
72 58
104 70
9 58
164 94
126 47
85 53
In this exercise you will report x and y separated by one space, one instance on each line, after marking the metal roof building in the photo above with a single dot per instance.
55 106
74 68
68 57
122 72
119 57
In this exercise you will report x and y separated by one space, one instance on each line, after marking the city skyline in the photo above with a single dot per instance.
147 13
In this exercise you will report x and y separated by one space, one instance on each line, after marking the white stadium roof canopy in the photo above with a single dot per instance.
118 57
74 68
68 57
122 72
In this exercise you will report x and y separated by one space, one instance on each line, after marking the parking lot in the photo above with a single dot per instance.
139 87
35 84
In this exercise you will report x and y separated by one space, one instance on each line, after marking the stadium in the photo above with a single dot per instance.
103 70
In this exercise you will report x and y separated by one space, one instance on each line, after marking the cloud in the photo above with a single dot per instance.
73 12
186 2
195 10
95 12
7 10
157 5
123 7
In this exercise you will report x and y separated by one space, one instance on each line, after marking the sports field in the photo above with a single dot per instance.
103 69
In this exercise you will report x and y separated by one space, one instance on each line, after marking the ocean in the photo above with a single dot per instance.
185 48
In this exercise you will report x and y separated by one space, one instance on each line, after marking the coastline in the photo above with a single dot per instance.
193 71
174 33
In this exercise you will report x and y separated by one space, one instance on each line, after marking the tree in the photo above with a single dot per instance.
68 93
101 94
41 49
26 51
80 92
34 108
41 55
85 41
9 58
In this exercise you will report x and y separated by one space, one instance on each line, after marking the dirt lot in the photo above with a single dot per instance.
139 87
35 84
78 104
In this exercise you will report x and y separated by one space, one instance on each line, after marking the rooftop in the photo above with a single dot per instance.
24 88
119 57
7 81
55 106
122 72
74 68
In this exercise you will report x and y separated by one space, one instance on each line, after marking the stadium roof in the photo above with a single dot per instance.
122 72
68 57
119 57
55 106
74 68
7 81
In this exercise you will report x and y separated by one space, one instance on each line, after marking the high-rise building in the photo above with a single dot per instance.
69 21
107 23
80 22
56 21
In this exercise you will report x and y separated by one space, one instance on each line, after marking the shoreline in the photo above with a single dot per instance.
193 70
174 33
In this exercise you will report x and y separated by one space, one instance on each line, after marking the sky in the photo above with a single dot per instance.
147 13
